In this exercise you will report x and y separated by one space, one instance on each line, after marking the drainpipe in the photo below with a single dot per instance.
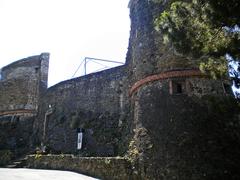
48 113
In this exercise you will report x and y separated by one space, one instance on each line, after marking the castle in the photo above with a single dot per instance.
171 120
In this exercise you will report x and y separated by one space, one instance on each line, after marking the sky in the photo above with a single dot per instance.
69 30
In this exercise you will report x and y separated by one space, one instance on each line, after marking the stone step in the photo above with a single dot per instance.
10 166
19 163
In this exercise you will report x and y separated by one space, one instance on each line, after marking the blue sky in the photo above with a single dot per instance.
69 29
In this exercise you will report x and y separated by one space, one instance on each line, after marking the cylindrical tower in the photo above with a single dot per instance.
147 54
185 123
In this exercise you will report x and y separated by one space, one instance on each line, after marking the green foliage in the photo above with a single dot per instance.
215 67
38 156
202 29
107 161
133 153
225 13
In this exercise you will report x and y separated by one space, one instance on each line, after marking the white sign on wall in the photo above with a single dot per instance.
79 140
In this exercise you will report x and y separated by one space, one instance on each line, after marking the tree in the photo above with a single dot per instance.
207 30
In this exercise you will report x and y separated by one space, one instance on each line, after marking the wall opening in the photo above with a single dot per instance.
36 70
177 87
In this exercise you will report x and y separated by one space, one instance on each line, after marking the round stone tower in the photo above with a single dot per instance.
185 123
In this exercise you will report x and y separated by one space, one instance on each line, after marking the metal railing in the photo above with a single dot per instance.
97 61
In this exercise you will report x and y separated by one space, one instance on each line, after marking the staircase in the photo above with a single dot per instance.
17 163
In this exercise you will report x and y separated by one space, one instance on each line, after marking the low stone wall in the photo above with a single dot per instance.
112 168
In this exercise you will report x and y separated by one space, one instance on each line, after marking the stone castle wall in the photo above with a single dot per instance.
170 120
181 116
32 115
21 84
97 103
184 136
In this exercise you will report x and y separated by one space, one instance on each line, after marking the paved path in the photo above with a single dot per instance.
34 174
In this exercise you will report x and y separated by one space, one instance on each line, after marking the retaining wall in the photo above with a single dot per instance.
115 168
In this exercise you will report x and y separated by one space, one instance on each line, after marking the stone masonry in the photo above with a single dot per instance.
21 84
158 111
